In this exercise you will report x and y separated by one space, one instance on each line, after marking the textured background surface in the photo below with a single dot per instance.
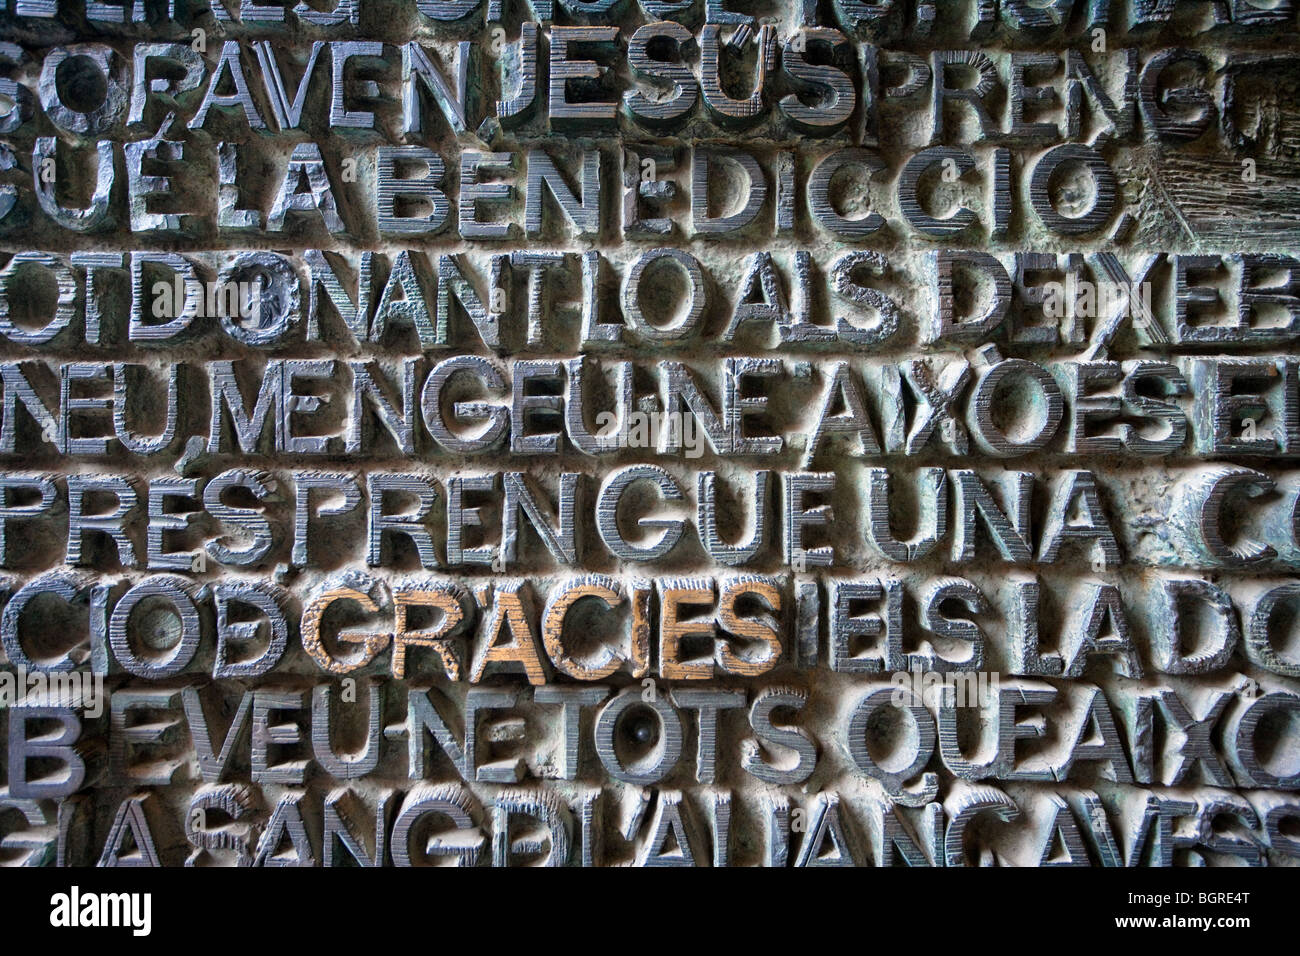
1126 714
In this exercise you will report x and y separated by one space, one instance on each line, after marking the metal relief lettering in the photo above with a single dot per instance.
656 434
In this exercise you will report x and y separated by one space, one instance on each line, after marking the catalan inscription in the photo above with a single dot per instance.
652 432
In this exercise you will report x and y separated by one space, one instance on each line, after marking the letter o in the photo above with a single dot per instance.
280 302
1246 732
660 760
1103 201
64 303
171 645
93 77
989 434
1261 629
688 320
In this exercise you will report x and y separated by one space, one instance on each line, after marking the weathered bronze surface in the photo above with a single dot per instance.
646 431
